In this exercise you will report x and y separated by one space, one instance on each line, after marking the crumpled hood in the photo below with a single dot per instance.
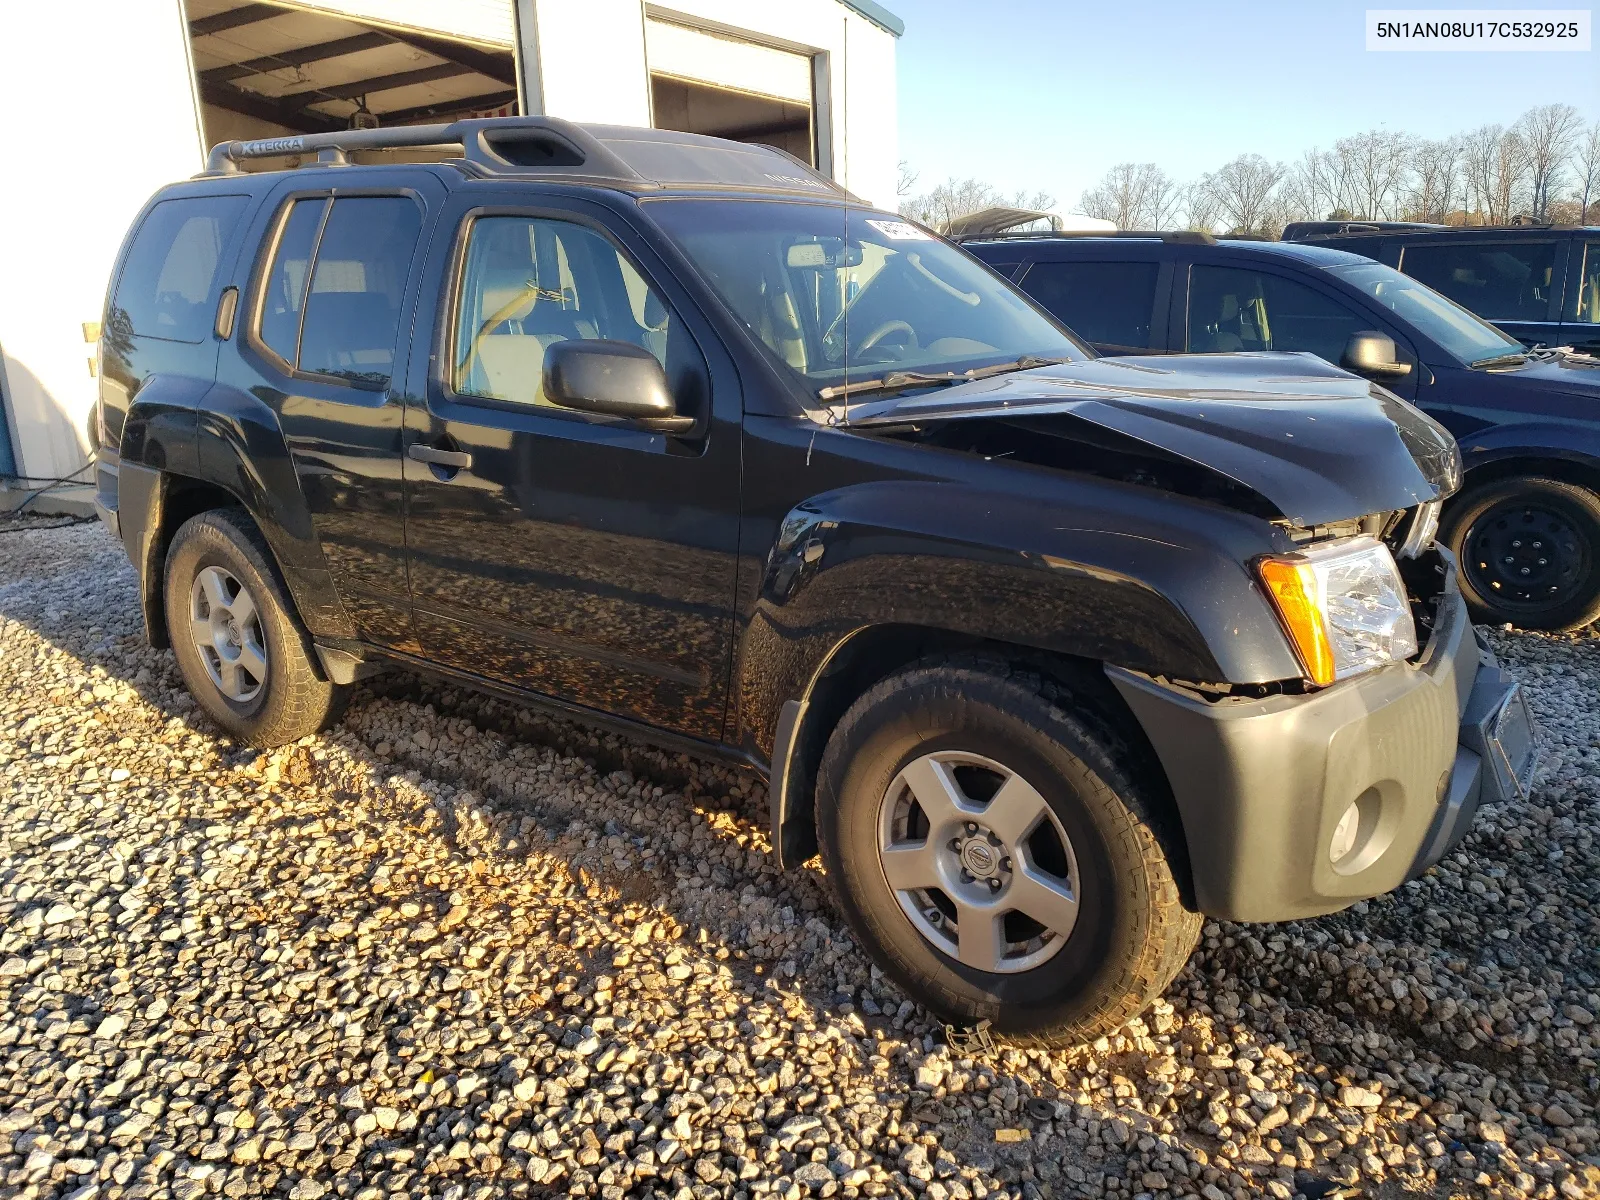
1318 444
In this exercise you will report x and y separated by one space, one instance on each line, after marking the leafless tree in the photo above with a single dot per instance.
1549 134
1371 167
1201 210
1433 190
906 180
1495 163
1588 164
1243 190
1134 196
1312 187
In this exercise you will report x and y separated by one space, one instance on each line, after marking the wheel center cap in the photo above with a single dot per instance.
980 858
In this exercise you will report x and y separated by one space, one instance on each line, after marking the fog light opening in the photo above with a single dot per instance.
1345 834
1362 833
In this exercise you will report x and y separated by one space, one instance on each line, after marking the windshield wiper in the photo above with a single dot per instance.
896 380
1515 358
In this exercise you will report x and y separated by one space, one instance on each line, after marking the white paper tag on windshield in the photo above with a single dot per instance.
900 231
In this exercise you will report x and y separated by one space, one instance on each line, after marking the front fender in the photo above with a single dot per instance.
1577 442
1120 575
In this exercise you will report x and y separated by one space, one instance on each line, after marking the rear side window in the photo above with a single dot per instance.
331 301
167 277
1107 303
1501 281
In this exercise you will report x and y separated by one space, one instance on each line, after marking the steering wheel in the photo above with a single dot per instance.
883 331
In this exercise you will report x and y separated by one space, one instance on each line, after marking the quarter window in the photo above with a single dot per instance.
1502 281
529 283
1588 309
346 322
167 278
1108 303
1234 309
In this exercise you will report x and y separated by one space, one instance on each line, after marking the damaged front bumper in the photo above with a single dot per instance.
1386 771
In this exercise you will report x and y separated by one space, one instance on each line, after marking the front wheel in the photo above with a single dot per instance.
1529 552
990 846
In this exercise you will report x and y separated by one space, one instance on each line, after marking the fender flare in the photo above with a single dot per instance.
181 432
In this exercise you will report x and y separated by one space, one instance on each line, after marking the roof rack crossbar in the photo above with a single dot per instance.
495 145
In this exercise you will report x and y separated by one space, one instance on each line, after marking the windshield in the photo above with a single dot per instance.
1465 336
835 291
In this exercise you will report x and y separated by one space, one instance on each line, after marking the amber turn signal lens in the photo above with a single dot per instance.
1293 586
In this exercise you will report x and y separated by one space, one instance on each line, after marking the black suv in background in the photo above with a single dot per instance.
1525 526
1049 654
1539 283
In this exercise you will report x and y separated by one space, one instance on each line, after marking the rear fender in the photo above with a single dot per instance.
207 442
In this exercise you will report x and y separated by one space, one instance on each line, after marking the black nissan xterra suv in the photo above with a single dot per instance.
1049 654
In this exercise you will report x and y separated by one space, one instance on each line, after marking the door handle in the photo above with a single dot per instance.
456 460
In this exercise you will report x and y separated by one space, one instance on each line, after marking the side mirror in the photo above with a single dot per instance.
612 379
1374 356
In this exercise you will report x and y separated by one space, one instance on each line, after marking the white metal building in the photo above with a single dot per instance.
103 101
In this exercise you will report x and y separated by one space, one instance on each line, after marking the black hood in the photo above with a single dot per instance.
1317 444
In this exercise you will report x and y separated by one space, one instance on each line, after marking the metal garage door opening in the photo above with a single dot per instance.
268 70
721 112
708 81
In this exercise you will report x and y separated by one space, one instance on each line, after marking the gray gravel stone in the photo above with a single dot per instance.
455 949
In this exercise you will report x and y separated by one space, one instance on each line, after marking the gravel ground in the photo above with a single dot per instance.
455 949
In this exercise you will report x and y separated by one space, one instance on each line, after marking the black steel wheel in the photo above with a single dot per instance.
1528 549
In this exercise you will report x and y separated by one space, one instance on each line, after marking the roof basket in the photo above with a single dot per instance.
494 145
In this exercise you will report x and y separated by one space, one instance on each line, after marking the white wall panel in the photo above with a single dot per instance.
104 85
591 60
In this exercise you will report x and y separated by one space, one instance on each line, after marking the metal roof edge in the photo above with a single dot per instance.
877 14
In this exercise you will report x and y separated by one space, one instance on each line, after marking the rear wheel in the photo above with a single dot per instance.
1529 549
243 653
992 849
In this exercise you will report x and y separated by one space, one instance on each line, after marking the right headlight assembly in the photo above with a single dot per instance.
1343 606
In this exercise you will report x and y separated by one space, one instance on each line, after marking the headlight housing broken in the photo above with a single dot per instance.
1343 605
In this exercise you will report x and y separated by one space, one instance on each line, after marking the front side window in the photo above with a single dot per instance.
1468 338
842 293
332 297
1234 309
165 288
528 283
1108 303
1500 281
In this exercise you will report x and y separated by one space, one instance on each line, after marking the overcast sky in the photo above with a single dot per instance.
1050 93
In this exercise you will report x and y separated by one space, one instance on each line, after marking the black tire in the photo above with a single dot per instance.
293 700
1132 933
1549 530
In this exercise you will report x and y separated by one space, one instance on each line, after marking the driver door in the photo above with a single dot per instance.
573 555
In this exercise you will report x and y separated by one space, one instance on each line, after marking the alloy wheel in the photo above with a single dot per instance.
978 862
226 627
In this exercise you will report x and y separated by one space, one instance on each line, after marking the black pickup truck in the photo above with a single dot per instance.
1049 654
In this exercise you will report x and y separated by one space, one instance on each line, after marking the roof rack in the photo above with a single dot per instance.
495 145
633 158
1184 237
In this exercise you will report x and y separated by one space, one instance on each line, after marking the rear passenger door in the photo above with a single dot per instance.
1515 283
1117 304
324 325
